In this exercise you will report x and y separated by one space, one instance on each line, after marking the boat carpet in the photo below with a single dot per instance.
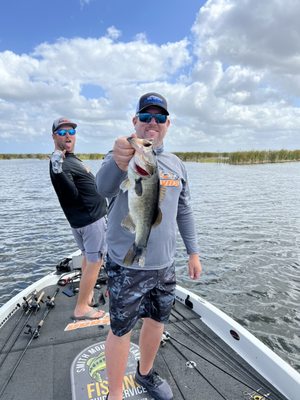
196 363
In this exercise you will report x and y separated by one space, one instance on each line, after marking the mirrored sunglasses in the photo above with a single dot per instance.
147 117
63 132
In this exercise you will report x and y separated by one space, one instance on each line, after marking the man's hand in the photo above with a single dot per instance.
194 266
123 152
57 158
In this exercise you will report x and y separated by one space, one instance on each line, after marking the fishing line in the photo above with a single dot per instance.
208 347
232 362
199 372
248 385
207 360
171 373
213 348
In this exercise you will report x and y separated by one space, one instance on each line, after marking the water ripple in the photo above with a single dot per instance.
248 223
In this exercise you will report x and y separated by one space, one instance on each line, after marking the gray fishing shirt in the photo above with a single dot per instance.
175 207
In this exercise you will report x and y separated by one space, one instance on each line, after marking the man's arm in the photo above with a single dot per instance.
194 266
186 226
64 180
187 229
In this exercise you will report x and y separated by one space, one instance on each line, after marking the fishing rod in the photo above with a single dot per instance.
34 334
25 306
33 305
191 364
247 377
168 337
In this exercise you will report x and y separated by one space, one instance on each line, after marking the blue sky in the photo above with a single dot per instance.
25 24
230 70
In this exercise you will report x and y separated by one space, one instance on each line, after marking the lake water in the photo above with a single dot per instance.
248 222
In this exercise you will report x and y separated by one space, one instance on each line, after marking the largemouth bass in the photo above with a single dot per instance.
143 189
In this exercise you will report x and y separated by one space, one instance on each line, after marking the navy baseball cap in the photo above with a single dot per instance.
152 99
62 121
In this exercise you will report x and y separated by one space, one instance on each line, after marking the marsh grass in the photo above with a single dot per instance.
236 158
243 157
260 157
40 156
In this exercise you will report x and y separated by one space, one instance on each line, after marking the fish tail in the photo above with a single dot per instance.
135 253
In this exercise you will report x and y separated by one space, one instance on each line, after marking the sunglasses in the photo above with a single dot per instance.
63 132
147 117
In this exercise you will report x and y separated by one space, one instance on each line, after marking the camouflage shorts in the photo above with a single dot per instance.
135 294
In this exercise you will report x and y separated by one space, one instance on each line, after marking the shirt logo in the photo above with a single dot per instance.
169 179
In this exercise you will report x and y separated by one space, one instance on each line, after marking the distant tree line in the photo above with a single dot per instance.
22 156
203 156
91 156
40 156
238 157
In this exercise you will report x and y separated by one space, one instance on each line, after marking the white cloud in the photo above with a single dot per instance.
235 85
84 3
113 33
261 34
104 62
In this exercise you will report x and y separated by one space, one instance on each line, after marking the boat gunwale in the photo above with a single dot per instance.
266 362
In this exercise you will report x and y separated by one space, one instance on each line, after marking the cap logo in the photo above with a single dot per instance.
153 99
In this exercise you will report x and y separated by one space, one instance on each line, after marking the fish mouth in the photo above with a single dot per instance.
139 144
141 171
141 163
143 167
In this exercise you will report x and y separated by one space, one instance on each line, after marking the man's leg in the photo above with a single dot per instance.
83 267
161 301
88 280
149 342
150 338
91 240
116 354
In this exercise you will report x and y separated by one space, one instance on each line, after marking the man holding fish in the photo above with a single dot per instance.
149 198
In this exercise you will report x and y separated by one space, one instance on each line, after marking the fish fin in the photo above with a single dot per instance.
158 217
125 185
162 193
138 187
128 259
142 261
128 223
135 253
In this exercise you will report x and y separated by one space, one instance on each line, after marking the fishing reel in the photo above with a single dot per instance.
35 305
33 332
165 337
50 302
64 266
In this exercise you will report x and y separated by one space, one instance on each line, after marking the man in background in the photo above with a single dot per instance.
84 209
